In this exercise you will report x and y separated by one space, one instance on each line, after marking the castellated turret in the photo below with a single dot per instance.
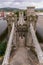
31 18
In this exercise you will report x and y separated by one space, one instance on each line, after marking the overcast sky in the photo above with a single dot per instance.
22 4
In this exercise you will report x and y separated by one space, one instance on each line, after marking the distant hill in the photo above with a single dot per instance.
39 9
9 9
17 9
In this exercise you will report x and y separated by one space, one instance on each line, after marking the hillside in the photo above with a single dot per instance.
39 9
9 9
16 9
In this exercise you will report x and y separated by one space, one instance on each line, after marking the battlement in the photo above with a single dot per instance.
30 10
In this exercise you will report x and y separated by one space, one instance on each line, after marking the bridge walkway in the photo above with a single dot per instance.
24 54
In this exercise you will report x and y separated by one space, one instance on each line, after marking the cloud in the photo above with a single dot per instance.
6 0
28 0
22 4
25 4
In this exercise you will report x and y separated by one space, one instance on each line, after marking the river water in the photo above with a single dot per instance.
3 26
39 26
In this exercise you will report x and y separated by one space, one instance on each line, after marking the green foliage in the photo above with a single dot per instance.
2 48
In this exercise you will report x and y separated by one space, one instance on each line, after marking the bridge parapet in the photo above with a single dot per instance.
36 44
9 48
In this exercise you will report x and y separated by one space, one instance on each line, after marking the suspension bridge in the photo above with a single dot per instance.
22 34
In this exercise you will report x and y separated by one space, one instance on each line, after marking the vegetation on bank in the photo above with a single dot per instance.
3 46
3 42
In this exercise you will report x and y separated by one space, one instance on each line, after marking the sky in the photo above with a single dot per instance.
22 4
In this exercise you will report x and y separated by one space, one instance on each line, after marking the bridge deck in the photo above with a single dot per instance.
24 57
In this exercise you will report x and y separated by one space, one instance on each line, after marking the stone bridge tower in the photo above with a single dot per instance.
12 17
31 18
